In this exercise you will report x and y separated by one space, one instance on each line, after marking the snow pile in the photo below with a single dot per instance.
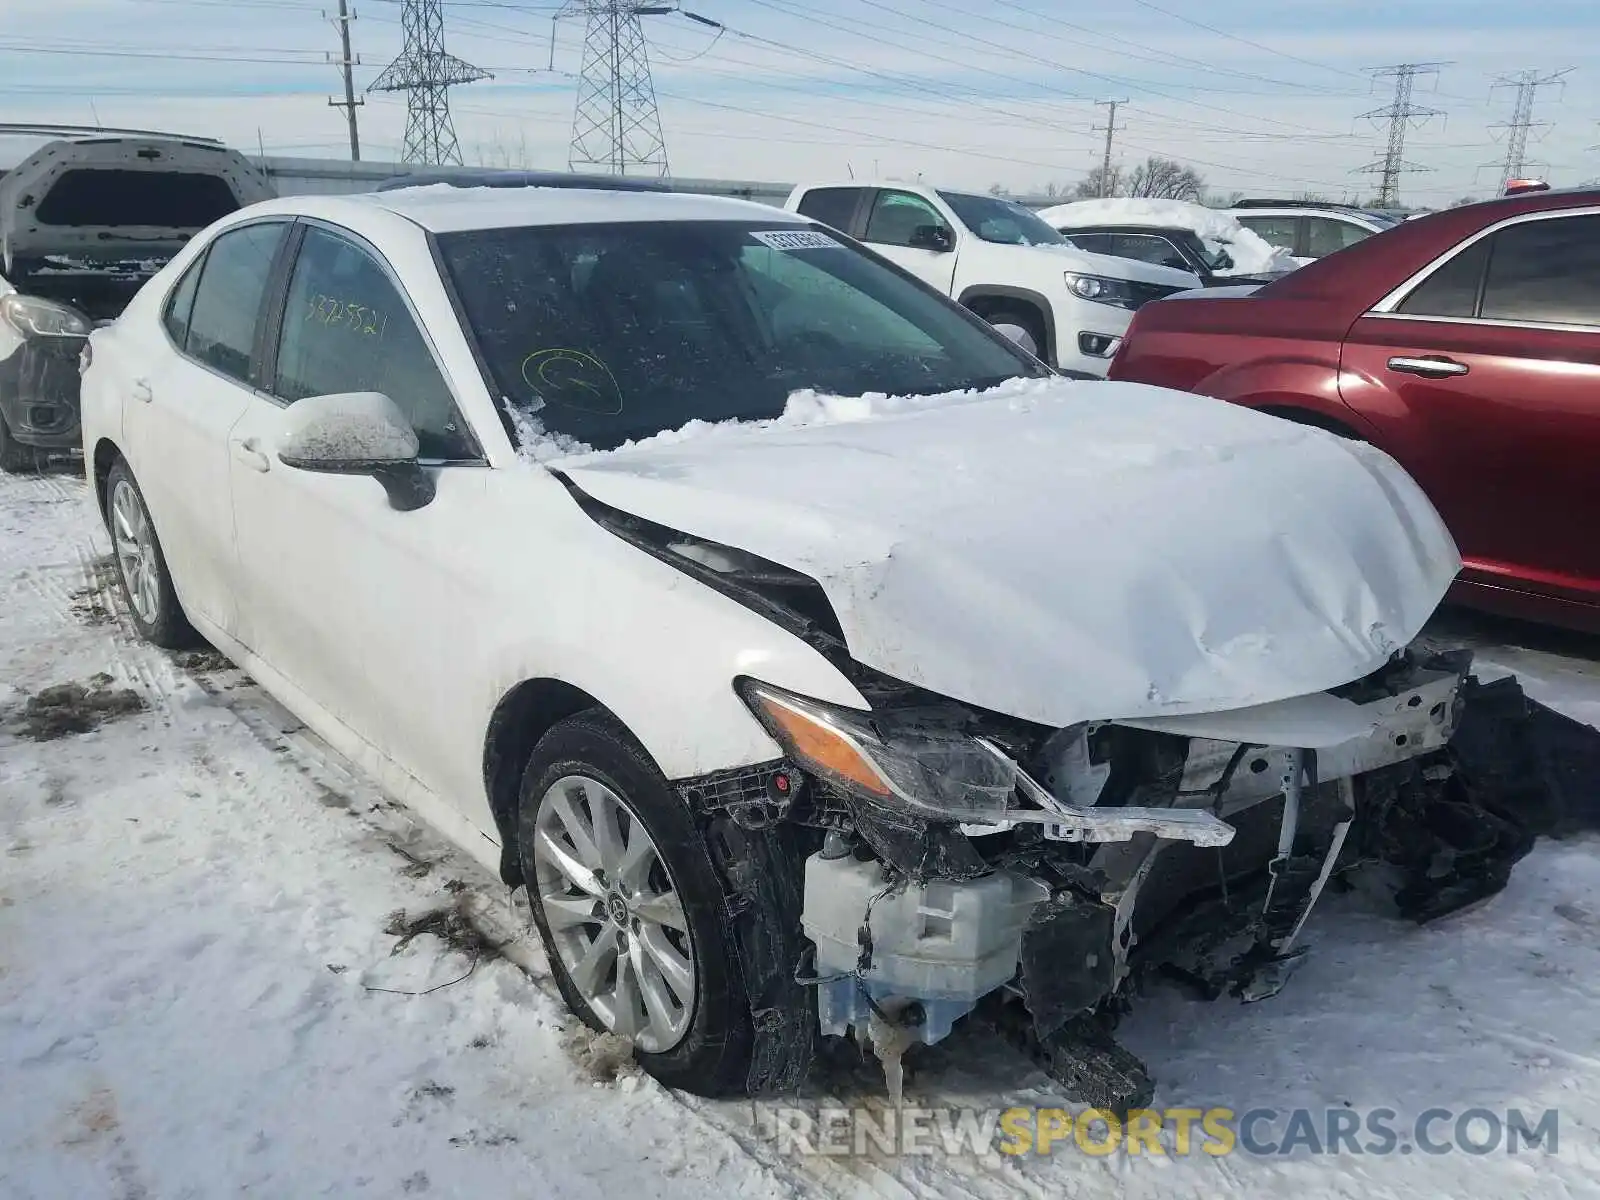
536 445
1250 252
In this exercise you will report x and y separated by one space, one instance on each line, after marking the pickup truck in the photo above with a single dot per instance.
84 222
996 257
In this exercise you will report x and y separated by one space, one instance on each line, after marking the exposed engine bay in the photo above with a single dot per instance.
1119 850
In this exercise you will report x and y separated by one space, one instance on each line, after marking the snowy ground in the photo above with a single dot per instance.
194 901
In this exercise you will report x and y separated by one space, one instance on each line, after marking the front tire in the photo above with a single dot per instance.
629 906
1022 328
141 566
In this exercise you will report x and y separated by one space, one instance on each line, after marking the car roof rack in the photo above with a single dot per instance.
489 177
1263 203
24 129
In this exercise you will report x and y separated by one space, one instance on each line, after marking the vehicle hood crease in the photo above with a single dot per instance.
1065 551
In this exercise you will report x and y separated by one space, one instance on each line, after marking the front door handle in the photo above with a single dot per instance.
1431 367
142 392
250 454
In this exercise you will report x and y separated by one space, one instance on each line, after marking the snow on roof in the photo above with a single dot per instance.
441 208
1249 251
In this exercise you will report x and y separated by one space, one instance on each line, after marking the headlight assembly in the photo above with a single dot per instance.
35 318
937 775
1101 290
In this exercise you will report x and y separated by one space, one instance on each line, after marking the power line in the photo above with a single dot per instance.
967 39
616 123
1400 114
1527 84
346 64
1167 59
426 73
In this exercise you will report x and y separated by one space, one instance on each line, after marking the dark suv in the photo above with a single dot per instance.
84 222
1466 343
1165 245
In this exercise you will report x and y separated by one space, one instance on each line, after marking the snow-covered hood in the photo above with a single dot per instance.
1067 551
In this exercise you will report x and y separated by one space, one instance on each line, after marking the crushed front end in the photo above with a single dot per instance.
44 329
972 861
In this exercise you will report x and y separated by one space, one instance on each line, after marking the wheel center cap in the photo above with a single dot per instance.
617 909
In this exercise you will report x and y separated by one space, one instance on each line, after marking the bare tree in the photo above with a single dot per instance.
1164 179
504 155
1464 200
1099 182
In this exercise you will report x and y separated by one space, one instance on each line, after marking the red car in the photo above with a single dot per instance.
1467 345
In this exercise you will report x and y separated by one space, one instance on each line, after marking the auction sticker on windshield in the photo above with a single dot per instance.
796 239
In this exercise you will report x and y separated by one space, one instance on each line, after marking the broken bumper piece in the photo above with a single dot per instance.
1085 890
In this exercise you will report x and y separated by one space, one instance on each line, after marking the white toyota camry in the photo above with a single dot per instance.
818 660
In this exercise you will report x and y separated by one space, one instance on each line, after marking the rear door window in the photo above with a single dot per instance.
181 304
1328 235
227 303
1546 271
1275 231
831 206
1452 290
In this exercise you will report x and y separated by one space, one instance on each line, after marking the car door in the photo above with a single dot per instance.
345 596
1483 379
186 395
905 227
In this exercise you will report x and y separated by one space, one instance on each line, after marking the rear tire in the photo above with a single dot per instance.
141 565
14 456
629 925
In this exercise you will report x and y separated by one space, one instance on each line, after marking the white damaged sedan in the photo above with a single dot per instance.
818 661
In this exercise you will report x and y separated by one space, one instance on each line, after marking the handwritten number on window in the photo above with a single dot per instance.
341 314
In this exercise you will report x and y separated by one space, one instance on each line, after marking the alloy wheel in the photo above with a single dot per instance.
136 555
615 916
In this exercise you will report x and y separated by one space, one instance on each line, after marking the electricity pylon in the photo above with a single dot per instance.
1400 114
616 124
426 74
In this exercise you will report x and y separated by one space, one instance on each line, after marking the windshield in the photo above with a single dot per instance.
609 333
1002 221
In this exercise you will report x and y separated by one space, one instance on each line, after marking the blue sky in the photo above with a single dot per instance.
1260 96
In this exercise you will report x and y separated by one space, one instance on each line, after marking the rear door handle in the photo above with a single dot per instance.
142 392
1431 367
250 454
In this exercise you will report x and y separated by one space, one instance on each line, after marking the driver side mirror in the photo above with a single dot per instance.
357 433
933 237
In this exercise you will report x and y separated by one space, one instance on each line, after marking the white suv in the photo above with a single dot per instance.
1310 229
1065 305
